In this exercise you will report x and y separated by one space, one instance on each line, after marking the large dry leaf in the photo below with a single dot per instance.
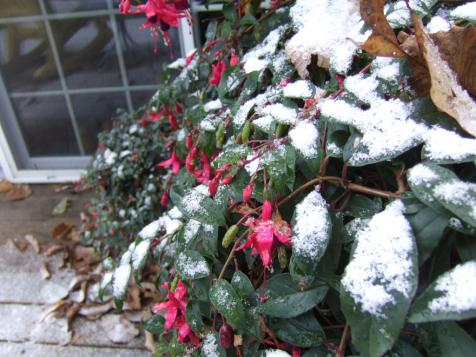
61 230
446 93
19 192
5 186
383 41
84 258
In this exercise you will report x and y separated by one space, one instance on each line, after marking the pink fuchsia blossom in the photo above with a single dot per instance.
266 235
176 310
217 72
174 162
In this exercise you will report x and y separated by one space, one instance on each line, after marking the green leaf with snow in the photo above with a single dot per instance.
191 265
280 164
311 234
242 285
120 282
211 347
228 303
449 297
140 254
200 207
231 154
302 331
380 281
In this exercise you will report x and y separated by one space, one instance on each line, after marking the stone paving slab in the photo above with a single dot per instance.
38 350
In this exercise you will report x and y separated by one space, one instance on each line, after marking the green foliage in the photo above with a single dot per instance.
231 141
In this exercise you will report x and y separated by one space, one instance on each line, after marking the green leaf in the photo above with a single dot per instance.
302 331
442 339
242 285
428 226
361 206
228 303
447 297
200 207
155 324
279 164
211 347
286 299
191 265
195 311
62 206
231 154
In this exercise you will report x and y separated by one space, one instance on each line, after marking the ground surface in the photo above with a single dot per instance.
24 295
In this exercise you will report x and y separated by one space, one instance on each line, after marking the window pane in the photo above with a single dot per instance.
87 52
58 6
46 126
93 114
141 97
19 8
143 65
26 59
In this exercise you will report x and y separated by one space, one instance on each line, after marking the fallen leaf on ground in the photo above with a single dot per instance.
446 92
383 41
95 311
61 230
133 301
19 192
54 309
83 259
5 186
62 187
62 206
118 329
149 342
33 242
53 249
45 271
19 245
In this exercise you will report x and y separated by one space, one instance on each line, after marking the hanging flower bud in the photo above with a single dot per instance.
226 336
234 59
245 133
229 236
227 180
248 191
213 186
189 141
220 135
267 212
164 199
190 160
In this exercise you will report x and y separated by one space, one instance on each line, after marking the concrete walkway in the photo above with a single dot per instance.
25 330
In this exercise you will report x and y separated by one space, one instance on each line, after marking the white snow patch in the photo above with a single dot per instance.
438 24
312 228
421 174
191 230
330 29
253 166
400 16
281 113
191 268
465 12
421 6
264 122
304 137
382 262
459 193
277 353
178 63
210 346
442 144
456 286
139 254
387 69
109 157
121 280
212 105
298 89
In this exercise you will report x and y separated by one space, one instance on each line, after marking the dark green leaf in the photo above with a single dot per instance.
302 331
196 205
442 339
228 303
244 288
361 206
155 324
191 265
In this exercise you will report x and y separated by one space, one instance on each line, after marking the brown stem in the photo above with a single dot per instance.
340 350
232 254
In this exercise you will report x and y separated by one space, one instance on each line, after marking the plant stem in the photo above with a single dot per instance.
340 350
338 181
231 255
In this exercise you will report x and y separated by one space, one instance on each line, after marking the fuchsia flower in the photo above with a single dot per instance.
217 72
176 310
174 162
248 191
234 59
164 199
267 234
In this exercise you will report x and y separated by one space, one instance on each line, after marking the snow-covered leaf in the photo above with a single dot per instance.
200 207
228 303
120 281
140 253
211 346
448 297
191 265
380 281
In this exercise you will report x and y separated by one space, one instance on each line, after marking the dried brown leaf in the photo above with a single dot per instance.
133 301
19 192
19 245
446 92
61 230
5 186
33 242
53 249
95 311
84 259
45 271
149 342
383 41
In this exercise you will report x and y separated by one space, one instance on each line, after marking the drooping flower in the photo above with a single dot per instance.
266 235
176 309
174 162
217 71
248 191
234 59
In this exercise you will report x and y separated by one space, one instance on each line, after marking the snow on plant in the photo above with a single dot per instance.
282 167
